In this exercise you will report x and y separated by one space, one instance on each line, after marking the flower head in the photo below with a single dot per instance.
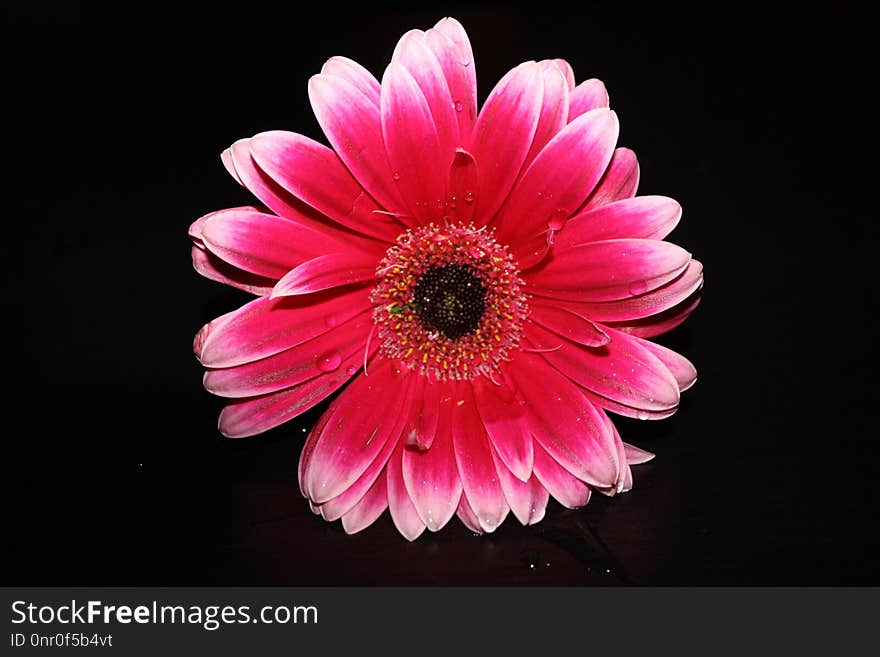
481 285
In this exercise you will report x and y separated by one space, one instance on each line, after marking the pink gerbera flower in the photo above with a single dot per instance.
483 282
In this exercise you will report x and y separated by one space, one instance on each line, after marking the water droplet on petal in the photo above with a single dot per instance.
638 287
557 221
350 370
458 105
396 175
468 197
329 361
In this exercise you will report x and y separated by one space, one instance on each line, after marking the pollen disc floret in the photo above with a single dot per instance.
449 302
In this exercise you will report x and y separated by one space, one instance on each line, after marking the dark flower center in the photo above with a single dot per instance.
450 299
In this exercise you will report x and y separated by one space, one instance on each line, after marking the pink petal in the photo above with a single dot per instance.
463 78
432 477
229 165
588 95
463 180
503 135
321 354
351 121
554 109
248 417
565 488
459 74
567 322
663 322
368 509
503 418
473 455
656 301
467 516
609 270
527 499
628 411
306 455
566 424
424 415
365 417
341 504
265 244
645 217
415 55
680 367
621 180
265 327
557 182
350 71
419 159
623 370
403 511
315 174
216 269
635 456
567 72
273 196
324 272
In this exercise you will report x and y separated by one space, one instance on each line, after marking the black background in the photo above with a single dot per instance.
752 117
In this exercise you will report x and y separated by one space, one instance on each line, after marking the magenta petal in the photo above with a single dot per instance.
588 95
350 71
565 488
432 477
265 326
307 451
463 180
282 202
660 323
566 424
248 417
609 270
559 180
368 509
473 456
366 415
467 516
656 301
423 416
623 370
680 367
460 79
635 455
567 72
229 165
503 133
621 180
461 73
324 272
293 366
351 121
527 499
568 322
216 269
345 501
315 174
265 244
415 55
503 418
403 511
554 109
419 160
644 217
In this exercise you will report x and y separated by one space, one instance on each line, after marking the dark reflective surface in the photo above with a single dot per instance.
114 471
